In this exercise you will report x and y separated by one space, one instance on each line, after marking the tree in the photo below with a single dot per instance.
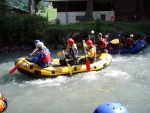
30 7
37 4
89 11
89 8
3 8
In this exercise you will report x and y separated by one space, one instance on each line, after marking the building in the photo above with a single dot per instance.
132 10
72 11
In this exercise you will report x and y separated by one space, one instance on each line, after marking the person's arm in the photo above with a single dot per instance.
36 58
34 51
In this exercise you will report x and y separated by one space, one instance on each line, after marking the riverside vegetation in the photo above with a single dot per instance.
19 32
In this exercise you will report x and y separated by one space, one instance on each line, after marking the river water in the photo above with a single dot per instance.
126 80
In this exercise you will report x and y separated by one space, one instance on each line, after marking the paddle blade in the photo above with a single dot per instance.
14 69
59 54
70 70
87 65
115 41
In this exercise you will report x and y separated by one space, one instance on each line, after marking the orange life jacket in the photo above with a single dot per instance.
3 104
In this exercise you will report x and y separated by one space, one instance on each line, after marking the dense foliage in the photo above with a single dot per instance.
19 30
23 30
2 7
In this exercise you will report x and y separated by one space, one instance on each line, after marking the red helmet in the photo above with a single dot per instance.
89 42
70 41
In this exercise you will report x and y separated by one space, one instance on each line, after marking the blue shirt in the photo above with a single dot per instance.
38 58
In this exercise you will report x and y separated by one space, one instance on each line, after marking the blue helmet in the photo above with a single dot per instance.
143 35
121 32
118 35
36 41
111 107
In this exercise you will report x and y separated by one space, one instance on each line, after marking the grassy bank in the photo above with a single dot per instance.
104 26
81 30
23 30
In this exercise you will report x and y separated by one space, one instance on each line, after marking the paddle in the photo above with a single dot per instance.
115 41
87 60
59 54
139 40
70 70
16 67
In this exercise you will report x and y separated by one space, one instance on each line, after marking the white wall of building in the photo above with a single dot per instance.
62 16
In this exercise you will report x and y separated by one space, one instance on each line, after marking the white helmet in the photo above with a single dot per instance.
100 34
40 44
131 35
106 36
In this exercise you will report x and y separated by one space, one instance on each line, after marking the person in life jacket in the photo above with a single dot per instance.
121 40
71 53
3 103
90 51
107 38
130 41
111 107
101 44
114 43
142 37
43 57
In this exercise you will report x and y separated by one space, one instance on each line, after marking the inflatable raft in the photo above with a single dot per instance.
33 70
139 46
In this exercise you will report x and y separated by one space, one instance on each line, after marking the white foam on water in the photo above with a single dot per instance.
46 82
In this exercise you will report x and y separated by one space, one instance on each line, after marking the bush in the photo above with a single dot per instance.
23 30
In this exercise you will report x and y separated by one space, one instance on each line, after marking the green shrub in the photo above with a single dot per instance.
23 30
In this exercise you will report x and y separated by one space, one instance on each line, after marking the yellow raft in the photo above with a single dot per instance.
33 70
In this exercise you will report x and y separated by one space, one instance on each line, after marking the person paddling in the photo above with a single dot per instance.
90 51
43 57
36 49
70 53
129 41
101 44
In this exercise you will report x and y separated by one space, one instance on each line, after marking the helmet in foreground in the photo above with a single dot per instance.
89 42
111 107
70 41
36 41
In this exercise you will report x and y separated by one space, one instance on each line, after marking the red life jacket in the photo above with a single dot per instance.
104 43
129 41
47 57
